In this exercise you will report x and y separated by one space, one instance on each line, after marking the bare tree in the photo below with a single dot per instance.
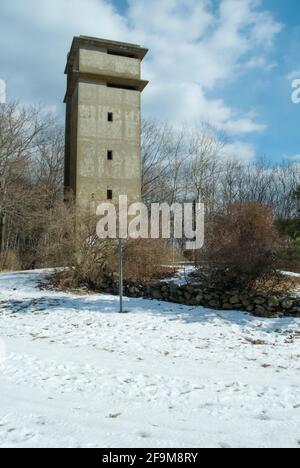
162 161
204 165
181 164
48 165
25 132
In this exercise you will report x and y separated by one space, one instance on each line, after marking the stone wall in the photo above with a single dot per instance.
262 305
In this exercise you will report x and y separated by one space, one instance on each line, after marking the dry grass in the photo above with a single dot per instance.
276 284
148 259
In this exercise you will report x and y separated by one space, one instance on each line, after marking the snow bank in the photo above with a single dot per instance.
176 376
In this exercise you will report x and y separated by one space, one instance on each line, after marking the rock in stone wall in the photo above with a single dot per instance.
262 305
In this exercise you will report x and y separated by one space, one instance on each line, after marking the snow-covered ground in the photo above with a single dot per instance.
182 276
74 373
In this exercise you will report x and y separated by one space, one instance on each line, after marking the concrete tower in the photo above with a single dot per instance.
103 121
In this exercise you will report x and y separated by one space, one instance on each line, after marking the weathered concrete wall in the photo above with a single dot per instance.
74 133
92 60
96 136
71 141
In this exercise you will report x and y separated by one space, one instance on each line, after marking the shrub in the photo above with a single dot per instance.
70 241
240 246
289 230
10 261
288 227
148 259
57 242
289 256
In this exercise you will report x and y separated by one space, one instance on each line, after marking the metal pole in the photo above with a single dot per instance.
194 228
121 274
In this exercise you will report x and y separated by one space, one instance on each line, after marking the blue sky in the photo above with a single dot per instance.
228 62
270 91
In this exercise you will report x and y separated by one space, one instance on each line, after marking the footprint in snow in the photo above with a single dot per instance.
263 417
224 446
144 435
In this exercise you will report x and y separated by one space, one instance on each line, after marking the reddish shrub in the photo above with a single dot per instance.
240 245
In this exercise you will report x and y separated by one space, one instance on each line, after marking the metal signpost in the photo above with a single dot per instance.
121 275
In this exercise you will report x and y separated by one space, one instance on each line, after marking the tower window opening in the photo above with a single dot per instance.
119 86
109 155
120 54
109 194
110 117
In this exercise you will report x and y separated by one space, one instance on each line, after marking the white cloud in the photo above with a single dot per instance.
66 17
260 62
293 75
193 52
240 151
295 157
194 45
2 92
187 102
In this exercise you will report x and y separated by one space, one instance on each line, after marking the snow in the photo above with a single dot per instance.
182 275
290 273
74 373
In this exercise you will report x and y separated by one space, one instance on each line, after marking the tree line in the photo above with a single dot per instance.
192 164
179 164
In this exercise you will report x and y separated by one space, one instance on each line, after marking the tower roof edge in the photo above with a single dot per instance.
122 48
